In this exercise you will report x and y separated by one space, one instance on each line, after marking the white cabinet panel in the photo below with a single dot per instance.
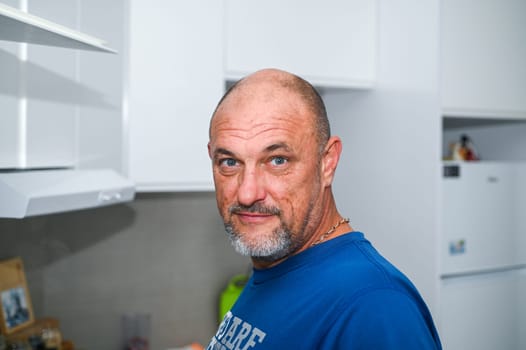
9 106
62 107
329 43
483 55
483 312
39 120
175 79
476 205
50 81
483 219
100 125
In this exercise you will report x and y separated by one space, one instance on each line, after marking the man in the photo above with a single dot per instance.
316 283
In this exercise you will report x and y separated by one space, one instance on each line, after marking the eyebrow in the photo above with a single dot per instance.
223 151
271 148
277 146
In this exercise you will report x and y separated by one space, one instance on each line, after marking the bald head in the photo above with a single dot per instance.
268 83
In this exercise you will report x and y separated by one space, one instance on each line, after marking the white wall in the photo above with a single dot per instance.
388 177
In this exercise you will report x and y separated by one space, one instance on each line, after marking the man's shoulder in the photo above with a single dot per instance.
357 267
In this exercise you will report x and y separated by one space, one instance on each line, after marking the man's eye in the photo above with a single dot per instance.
228 162
276 161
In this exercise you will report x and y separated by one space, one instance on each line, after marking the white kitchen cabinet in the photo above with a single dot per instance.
41 93
9 90
100 125
41 127
174 80
483 77
330 43
50 85
484 312
483 45
483 96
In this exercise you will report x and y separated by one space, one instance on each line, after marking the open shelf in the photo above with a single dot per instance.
19 26
494 139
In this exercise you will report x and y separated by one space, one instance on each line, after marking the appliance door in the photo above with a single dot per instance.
484 311
484 221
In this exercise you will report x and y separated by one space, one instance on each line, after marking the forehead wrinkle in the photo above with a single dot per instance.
250 131
274 146
238 109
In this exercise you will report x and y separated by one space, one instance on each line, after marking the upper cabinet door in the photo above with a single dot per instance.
483 58
175 79
330 43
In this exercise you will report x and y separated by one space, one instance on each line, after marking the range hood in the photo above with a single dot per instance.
38 192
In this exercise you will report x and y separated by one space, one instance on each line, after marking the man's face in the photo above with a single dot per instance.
266 171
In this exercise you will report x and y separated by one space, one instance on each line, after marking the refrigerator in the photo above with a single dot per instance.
483 256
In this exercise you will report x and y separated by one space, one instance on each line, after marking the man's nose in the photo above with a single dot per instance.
251 187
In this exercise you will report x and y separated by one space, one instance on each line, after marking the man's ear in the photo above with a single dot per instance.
330 159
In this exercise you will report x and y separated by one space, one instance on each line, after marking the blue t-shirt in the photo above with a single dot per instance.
341 294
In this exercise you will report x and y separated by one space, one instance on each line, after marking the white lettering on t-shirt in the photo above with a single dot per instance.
235 334
251 341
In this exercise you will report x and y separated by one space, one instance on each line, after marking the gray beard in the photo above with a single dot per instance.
279 245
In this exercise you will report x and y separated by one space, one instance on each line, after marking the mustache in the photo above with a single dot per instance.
254 208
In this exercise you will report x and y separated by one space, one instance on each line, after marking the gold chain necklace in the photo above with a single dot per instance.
331 230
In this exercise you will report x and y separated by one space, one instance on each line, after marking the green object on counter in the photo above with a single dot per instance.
231 293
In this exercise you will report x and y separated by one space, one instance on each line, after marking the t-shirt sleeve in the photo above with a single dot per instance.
384 319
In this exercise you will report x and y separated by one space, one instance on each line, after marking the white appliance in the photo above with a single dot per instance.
483 256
